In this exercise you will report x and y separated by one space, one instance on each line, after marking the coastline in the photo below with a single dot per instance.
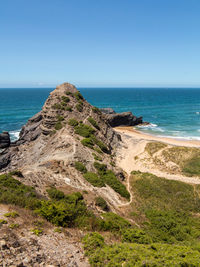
132 132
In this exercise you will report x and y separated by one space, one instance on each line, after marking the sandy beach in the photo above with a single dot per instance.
130 131
133 156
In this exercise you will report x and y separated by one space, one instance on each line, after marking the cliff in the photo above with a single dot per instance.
67 130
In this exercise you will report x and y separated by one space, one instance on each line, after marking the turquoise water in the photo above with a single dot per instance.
171 112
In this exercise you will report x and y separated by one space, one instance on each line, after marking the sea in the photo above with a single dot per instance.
171 112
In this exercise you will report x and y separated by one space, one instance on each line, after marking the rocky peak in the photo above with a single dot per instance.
68 130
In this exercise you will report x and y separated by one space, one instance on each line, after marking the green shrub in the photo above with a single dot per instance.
61 210
93 122
84 130
68 108
98 150
58 230
94 179
58 125
114 223
80 167
73 122
64 212
13 225
96 110
110 179
87 142
17 173
93 241
12 214
37 231
60 118
14 192
170 226
100 202
78 95
101 168
117 255
55 193
56 106
79 107
135 236
96 157
3 222
65 99
68 93
102 146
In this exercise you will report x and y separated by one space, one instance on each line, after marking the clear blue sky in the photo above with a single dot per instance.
100 43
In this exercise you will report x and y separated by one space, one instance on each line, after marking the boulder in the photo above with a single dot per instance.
122 119
4 140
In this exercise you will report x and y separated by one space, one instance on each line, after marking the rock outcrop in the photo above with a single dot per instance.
121 119
4 140
48 145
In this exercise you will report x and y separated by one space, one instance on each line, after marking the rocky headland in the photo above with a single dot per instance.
71 174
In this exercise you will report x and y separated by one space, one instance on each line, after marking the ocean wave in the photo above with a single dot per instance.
14 135
150 125
188 138
197 112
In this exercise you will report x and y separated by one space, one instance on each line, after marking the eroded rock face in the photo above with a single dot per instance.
48 137
4 140
122 119
31 130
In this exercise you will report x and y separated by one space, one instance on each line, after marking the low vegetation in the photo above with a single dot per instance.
12 214
93 122
80 167
126 254
96 110
187 158
110 179
168 206
58 125
73 122
78 96
79 107
88 132
100 202
84 130
94 179
61 210
97 157
153 147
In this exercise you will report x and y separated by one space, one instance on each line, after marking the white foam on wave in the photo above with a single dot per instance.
188 138
14 135
150 125
197 112
174 134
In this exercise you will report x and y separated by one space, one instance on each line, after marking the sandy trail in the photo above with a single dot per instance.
134 144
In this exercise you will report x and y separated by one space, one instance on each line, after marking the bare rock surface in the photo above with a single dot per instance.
20 247
46 153
4 140
121 119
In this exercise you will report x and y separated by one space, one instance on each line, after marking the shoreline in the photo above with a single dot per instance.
132 132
